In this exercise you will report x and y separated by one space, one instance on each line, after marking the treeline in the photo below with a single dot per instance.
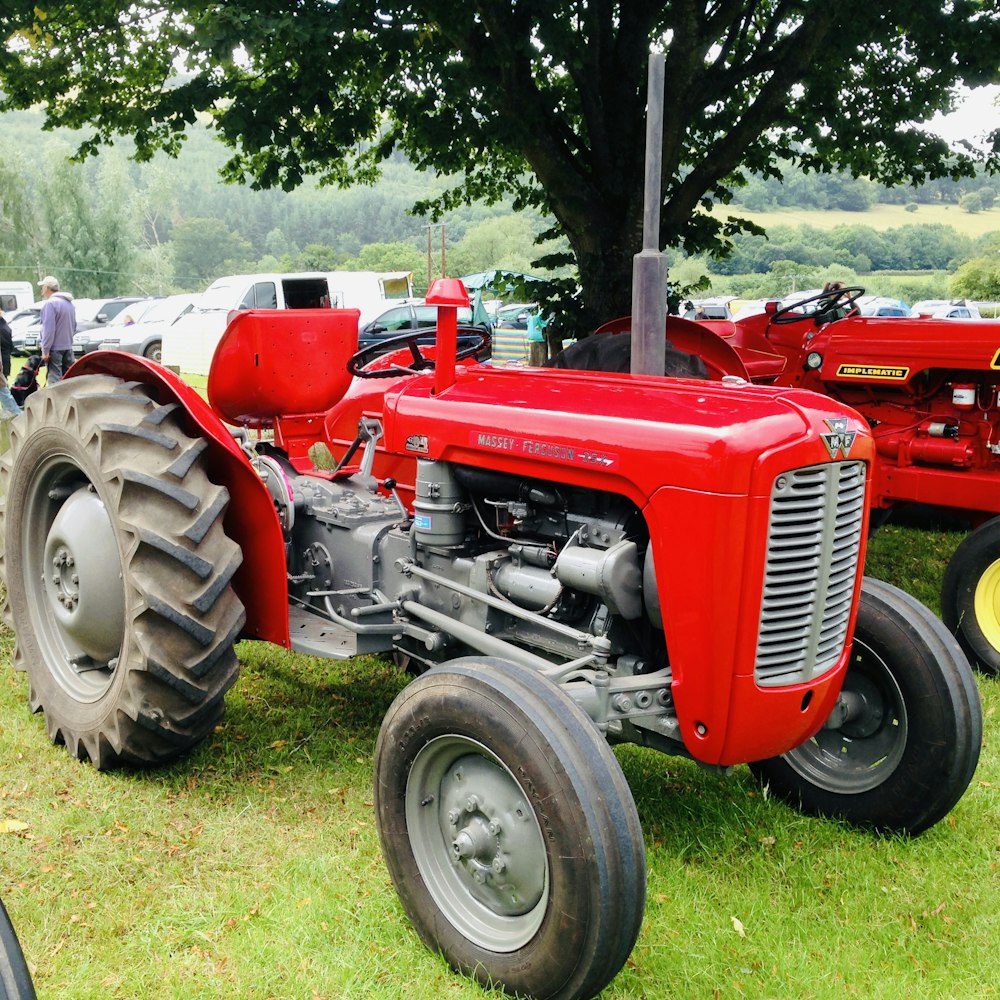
841 192
110 226
914 247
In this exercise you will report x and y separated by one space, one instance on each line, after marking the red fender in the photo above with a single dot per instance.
251 520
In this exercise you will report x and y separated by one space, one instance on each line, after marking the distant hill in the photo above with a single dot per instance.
879 216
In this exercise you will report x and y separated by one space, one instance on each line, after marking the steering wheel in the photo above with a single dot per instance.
829 306
411 339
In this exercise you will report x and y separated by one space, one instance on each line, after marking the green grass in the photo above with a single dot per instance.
252 868
879 217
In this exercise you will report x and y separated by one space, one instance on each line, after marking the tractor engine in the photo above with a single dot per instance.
956 428
558 569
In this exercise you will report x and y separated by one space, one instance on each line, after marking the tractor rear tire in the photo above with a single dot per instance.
118 573
910 746
509 830
970 596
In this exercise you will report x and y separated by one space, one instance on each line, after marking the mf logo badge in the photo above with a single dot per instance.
840 439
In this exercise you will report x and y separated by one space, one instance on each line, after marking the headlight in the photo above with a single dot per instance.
814 359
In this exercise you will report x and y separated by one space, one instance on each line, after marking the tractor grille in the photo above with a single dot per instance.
813 544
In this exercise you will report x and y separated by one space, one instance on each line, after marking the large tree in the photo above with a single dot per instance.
536 98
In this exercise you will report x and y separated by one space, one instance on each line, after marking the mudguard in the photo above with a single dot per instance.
251 520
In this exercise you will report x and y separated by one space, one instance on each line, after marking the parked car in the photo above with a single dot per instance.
25 324
93 316
957 310
415 314
879 305
145 336
945 309
515 315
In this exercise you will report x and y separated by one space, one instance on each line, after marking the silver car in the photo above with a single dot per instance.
145 335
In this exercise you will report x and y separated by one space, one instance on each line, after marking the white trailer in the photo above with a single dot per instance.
16 295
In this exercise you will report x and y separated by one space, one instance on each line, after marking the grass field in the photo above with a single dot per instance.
879 217
252 868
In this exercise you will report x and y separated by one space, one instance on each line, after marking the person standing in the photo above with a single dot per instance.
537 352
58 327
6 343
8 405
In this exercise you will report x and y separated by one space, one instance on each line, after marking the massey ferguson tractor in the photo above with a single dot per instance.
928 390
565 560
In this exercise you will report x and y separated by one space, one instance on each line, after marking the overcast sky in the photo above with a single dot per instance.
978 115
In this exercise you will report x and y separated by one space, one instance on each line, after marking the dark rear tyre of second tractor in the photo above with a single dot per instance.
970 596
903 745
509 830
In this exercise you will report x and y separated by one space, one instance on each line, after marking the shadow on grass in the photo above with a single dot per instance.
292 716
692 814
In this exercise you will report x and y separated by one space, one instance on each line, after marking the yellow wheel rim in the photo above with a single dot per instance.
987 604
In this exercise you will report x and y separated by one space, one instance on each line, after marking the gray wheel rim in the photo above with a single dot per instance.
477 843
861 754
73 579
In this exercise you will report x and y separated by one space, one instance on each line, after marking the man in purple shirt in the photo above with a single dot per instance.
58 327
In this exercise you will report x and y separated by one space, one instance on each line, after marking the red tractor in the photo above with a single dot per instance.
928 390
565 560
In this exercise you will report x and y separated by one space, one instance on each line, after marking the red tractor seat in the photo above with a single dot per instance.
282 362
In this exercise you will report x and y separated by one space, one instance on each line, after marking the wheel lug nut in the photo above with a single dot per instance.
499 865
471 804
479 876
494 827
453 817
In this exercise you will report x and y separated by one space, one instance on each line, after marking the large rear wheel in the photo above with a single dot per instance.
509 830
970 596
903 742
118 573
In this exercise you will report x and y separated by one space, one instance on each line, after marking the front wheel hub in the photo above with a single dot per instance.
477 843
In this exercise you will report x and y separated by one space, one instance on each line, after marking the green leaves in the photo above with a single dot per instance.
541 101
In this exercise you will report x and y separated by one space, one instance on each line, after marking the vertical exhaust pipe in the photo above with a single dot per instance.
649 266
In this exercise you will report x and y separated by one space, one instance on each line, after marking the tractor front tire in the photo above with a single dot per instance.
970 596
910 742
118 573
509 830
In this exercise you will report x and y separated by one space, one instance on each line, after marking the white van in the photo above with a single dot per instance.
15 295
189 344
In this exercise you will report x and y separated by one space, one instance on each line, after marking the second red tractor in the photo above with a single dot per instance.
928 390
